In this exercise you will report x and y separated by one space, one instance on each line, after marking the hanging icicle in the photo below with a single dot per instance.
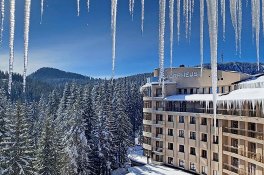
88 5
162 7
131 7
113 28
201 34
255 10
26 39
142 15
2 20
186 15
178 19
11 43
171 31
223 13
41 10
78 7
212 12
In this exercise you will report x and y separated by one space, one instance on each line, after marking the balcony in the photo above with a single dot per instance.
158 123
246 133
231 149
230 169
147 146
249 113
147 133
158 151
147 122
158 136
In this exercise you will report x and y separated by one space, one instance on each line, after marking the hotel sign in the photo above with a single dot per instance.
184 75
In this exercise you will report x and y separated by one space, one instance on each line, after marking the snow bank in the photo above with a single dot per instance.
136 154
155 170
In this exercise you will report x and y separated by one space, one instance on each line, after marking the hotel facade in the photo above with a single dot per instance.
179 128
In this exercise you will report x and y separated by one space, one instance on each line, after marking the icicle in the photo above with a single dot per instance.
178 18
26 38
88 5
233 12
78 7
142 15
223 13
171 31
113 27
2 20
186 14
41 11
11 42
212 7
162 4
263 16
255 7
201 34
131 7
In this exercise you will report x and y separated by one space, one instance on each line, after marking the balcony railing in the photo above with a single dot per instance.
231 149
235 169
243 132
242 112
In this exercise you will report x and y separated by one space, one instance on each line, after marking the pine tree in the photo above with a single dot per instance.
18 149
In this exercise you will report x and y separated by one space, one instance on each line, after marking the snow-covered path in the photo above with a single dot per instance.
154 170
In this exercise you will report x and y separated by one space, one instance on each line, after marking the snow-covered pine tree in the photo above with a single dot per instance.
4 121
124 127
17 147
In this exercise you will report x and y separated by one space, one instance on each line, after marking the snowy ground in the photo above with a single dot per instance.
136 154
154 170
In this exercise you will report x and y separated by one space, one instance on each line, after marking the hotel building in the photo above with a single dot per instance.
179 130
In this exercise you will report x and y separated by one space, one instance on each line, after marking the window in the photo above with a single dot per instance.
192 151
180 91
192 166
170 146
197 90
204 170
229 88
234 161
215 172
181 133
192 135
159 131
215 139
159 92
192 120
181 148
170 160
170 132
223 89
216 123
181 163
204 137
191 91
185 91
170 118
181 119
159 117
204 121
215 157
203 90
210 90
204 154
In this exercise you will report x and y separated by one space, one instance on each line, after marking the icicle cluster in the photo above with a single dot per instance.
162 16
171 31
2 20
113 28
201 34
26 38
188 6
41 10
131 7
255 10
11 42
212 11
236 17
142 15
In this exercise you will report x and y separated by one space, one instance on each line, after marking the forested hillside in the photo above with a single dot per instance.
82 128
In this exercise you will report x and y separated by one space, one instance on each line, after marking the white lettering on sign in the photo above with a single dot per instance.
184 75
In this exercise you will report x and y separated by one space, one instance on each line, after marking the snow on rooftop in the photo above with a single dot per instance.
253 83
155 170
236 95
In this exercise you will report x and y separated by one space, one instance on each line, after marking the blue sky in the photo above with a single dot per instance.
83 44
